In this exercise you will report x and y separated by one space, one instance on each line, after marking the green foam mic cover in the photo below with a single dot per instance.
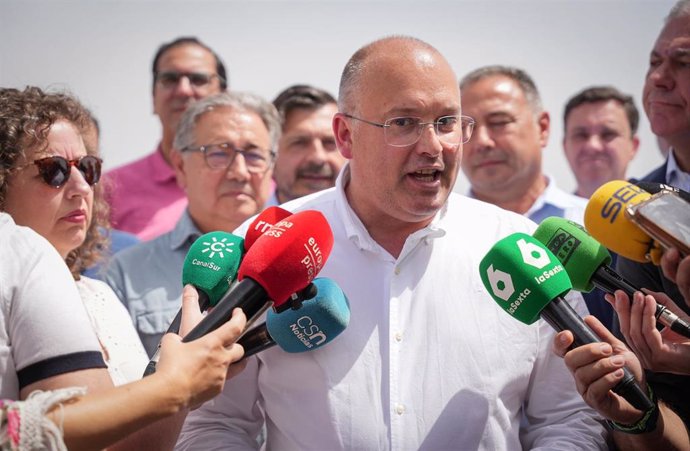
579 253
523 276
212 263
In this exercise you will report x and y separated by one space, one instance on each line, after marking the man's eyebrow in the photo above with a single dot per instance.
680 52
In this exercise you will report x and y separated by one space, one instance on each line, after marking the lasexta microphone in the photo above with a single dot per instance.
314 325
262 223
605 220
527 281
280 263
210 265
587 264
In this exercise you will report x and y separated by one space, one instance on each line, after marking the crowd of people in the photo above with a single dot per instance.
92 263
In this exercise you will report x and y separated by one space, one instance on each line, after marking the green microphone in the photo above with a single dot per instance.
211 265
587 263
528 281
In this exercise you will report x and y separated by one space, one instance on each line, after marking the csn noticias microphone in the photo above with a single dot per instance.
587 264
654 188
527 281
262 223
210 265
314 325
281 262
605 220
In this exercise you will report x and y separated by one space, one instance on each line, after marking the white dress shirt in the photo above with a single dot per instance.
428 361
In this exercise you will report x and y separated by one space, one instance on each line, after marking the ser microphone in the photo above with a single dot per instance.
210 265
605 220
314 325
527 281
262 223
587 263
281 262
654 188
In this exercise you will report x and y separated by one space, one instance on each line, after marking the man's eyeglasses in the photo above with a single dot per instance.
221 156
405 130
170 79
56 170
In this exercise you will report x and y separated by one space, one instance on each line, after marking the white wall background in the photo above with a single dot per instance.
102 50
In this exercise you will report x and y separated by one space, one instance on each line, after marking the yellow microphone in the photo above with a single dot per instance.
606 221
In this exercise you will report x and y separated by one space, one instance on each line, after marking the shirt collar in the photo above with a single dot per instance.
184 233
674 175
161 171
358 234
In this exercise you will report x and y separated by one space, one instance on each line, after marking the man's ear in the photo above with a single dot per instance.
343 135
544 122
177 163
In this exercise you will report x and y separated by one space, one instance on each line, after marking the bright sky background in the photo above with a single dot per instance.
102 50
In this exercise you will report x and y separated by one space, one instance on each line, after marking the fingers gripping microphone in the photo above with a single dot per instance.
527 281
280 263
605 219
314 325
210 265
654 188
262 223
587 264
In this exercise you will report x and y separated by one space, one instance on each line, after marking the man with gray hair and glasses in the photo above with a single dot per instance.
223 155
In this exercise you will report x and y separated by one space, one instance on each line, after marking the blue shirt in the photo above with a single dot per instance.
148 280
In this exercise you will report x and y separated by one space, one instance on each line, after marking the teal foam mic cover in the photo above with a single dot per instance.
212 263
315 324
523 276
577 250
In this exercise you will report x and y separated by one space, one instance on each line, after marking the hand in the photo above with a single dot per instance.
664 351
197 370
597 368
678 271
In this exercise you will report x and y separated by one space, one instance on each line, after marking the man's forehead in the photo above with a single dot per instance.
674 37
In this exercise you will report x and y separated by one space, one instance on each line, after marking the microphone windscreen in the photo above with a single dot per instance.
212 262
262 223
286 258
606 221
523 276
315 324
579 253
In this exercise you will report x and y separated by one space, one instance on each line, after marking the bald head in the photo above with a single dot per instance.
379 59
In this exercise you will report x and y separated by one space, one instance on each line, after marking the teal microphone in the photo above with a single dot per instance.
211 265
587 263
315 324
528 281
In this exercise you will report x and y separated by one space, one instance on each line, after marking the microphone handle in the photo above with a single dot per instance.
561 316
609 281
247 295
174 327
256 340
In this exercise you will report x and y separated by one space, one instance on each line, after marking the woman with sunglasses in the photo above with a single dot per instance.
50 184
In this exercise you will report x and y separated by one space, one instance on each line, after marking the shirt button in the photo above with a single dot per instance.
398 337
399 409
397 270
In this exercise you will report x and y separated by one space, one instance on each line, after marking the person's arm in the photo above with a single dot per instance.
597 368
664 351
188 374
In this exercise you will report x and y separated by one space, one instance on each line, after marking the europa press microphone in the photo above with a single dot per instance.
527 281
283 261
586 261
210 265
314 325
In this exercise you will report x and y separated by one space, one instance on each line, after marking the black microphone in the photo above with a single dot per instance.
653 188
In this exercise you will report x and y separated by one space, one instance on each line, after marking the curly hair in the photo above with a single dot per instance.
25 121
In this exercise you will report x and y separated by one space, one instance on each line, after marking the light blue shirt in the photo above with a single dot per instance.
556 202
147 278
674 175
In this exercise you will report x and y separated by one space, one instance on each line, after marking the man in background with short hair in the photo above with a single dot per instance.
600 136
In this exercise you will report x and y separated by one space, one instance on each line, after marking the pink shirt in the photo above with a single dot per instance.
145 199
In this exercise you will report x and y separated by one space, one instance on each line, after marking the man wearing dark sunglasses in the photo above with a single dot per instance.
146 199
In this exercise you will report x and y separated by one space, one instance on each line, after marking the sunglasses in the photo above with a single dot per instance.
56 170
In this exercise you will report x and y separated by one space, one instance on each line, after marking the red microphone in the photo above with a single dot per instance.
281 262
262 223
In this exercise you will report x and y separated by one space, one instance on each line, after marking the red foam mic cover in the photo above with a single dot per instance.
263 222
287 257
